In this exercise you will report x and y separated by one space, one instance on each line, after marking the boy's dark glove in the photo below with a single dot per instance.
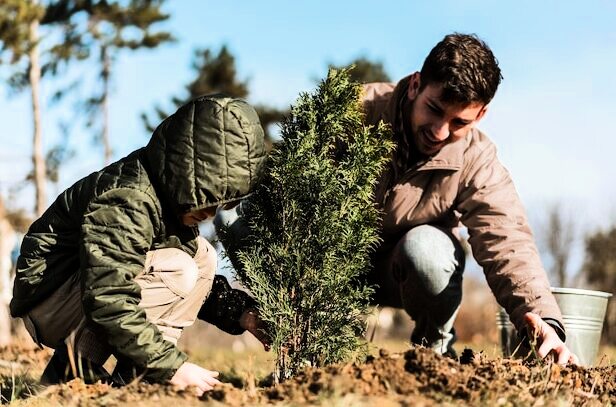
225 306
252 323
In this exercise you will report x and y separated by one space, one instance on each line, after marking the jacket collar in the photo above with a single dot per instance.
450 157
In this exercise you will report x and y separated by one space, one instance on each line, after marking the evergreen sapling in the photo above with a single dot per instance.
312 225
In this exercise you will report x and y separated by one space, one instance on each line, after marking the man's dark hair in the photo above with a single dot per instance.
466 68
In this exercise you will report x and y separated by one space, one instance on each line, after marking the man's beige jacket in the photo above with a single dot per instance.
462 182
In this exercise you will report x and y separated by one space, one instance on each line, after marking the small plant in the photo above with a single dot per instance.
312 226
16 386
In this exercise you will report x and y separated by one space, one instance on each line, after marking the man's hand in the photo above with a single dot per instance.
251 322
190 374
548 340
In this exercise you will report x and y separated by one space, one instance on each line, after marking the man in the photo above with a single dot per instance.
116 266
445 171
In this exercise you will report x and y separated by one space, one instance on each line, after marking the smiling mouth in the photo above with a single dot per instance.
430 145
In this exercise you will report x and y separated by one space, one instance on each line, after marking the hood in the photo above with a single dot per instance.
209 152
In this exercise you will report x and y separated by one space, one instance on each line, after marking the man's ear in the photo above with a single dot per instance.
481 113
414 85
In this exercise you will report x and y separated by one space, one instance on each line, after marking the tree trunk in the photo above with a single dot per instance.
560 241
105 103
38 159
7 242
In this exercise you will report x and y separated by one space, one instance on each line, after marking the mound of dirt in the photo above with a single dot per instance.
420 376
416 377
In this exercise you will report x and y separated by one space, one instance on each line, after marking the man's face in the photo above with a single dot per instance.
434 123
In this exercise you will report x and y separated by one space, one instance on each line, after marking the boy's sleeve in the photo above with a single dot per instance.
117 232
225 305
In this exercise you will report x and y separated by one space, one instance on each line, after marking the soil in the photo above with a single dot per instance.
420 376
416 377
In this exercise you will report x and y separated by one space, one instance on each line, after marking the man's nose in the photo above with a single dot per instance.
440 131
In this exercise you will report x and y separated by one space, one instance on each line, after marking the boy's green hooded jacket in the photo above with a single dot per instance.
209 152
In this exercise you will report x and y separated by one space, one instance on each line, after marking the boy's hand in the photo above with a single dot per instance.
190 374
251 322
548 340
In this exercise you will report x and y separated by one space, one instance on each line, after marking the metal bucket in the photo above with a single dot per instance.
583 314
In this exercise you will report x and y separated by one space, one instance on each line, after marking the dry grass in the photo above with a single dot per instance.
17 385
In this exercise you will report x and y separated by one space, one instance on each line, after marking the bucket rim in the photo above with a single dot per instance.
579 291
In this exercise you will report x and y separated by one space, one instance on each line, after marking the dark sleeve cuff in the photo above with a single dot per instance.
560 330
225 305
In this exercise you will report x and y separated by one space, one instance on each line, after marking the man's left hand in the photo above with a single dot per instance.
251 322
548 340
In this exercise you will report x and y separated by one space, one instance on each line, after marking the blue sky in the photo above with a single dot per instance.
551 118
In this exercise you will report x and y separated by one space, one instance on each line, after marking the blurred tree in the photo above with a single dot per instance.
8 238
114 28
269 117
216 73
19 46
600 271
558 240
34 56
364 70
110 27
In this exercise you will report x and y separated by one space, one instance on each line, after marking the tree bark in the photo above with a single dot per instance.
105 103
560 241
38 159
7 242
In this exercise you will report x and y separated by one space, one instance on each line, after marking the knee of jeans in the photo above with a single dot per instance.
206 258
432 257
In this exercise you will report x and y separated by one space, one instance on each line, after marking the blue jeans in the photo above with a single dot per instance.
422 274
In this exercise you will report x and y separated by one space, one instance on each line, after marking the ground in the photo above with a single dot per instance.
398 375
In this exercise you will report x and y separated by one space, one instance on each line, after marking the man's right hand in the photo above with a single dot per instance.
190 374
548 340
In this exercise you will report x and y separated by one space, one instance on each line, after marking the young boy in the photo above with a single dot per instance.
116 266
